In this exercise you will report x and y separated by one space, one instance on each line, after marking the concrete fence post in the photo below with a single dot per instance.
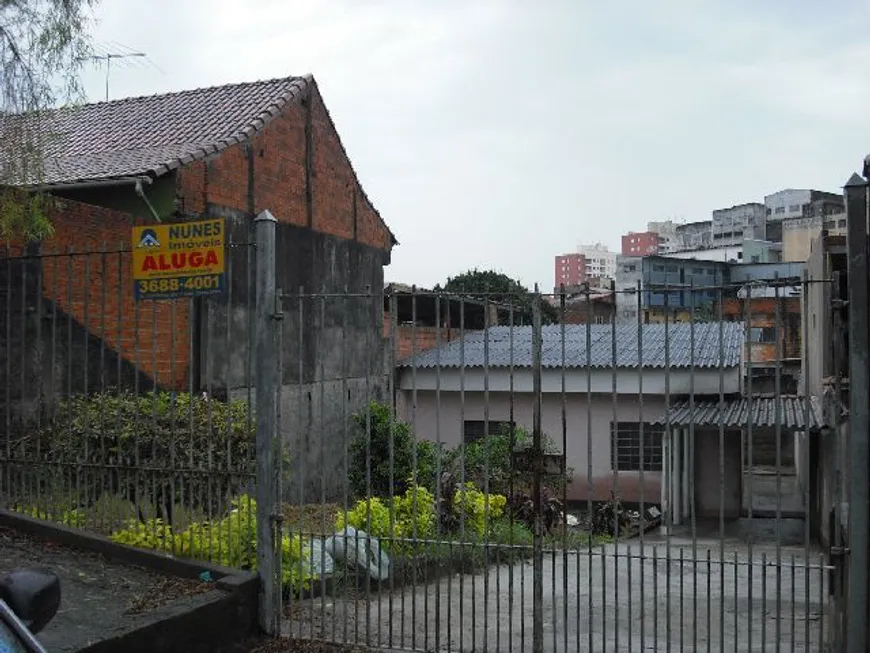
266 380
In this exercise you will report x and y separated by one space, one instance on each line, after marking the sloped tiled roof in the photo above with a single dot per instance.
761 411
661 346
153 134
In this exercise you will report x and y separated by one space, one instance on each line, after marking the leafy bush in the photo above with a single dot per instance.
158 444
476 510
398 521
488 462
389 452
231 542
72 517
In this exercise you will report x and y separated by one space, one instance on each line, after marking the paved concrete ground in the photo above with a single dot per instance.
613 600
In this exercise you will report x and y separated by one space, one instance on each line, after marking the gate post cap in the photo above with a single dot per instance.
265 216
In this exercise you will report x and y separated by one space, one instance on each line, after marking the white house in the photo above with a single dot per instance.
603 389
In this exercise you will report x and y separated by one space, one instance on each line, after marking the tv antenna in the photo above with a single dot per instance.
108 57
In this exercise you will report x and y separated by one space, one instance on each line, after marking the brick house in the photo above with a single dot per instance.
229 151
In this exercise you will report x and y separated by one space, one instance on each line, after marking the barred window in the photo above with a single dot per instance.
475 429
625 447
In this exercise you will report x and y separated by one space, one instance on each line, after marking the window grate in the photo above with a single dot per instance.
625 447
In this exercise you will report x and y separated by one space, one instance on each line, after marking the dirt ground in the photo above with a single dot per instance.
99 599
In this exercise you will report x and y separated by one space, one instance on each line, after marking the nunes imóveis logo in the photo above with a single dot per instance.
149 239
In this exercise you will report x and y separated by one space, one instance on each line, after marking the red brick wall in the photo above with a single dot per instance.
80 284
422 337
338 204
339 207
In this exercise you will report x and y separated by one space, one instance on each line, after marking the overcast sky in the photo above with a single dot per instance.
499 133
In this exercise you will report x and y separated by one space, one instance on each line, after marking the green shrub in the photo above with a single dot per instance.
230 541
399 521
488 462
151 448
389 453
71 517
476 510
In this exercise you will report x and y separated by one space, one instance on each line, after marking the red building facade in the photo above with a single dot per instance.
644 243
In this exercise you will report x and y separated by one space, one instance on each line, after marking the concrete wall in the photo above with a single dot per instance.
710 484
440 419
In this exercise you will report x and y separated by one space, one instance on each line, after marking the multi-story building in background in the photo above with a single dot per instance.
570 270
640 243
667 234
798 234
656 287
589 264
733 225
797 203
694 235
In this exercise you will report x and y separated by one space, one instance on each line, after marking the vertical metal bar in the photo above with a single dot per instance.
642 479
513 445
414 462
805 450
392 436
68 473
486 448
369 492
462 470
721 420
438 470
691 462
226 486
750 452
764 599
590 483
859 406
269 616
8 376
564 478
777 382
672 467
346 440
538 565
24 469
321 431
614 391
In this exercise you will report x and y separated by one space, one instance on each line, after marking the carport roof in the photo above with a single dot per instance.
760 411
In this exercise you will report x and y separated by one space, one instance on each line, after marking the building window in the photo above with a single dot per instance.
762 334
658 268
779 209
625 448
794 208
842 223
476 429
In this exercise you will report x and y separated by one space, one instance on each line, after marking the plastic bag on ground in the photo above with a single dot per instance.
361 551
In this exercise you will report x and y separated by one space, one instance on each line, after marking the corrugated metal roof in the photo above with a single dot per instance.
736 413
660 346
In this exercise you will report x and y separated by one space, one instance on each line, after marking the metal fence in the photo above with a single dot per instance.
441 472
562 487
131 420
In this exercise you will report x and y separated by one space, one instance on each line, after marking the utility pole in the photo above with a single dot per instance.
108 59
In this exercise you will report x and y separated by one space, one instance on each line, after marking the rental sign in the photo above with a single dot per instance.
179 260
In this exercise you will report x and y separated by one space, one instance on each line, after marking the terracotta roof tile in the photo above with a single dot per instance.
151 135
